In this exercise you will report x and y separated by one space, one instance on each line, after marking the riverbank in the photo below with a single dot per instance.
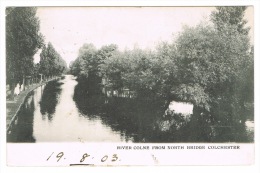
13 106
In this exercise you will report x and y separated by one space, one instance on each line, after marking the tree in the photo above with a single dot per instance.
213 66
88 62
51 63
23 39
230 16
208 65
230 26
195 61
212 69
75 67
88 65
148 73
112 70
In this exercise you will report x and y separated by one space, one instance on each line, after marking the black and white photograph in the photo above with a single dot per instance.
135 79
130 74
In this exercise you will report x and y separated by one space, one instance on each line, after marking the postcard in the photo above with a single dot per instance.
129 86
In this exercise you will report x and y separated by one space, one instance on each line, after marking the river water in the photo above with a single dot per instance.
61 111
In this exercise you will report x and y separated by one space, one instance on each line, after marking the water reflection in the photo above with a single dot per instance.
64 111
49 98
22 130
134 119
67 123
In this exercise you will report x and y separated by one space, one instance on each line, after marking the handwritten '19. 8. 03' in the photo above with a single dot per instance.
60 155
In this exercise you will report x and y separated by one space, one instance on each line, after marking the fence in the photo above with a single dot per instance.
123 93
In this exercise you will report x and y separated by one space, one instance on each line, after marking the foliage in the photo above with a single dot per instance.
51 63
230 16
238 88
208 65
89 62
23 40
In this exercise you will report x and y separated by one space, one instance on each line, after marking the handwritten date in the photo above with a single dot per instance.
105 158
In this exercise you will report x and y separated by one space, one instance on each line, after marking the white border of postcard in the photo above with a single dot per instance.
39 152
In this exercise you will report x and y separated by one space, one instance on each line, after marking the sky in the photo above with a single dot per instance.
68 28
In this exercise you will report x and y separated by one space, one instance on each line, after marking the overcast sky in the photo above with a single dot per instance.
68 28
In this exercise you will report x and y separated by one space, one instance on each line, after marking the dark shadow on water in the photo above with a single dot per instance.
49 98
22 130
136 119
132 118
198 129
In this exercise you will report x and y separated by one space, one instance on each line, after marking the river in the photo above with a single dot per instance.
61 111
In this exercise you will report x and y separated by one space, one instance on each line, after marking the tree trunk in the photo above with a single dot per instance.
243 112
12 91
23 83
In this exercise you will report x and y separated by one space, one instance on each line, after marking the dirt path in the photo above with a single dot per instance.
13 106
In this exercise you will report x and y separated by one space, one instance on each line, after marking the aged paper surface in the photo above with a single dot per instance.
61 123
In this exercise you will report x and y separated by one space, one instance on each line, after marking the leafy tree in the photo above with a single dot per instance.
147 73
51 63
23 39
213 65
208 65
230 25
230 16
112 70
88 65
88 61
75 67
